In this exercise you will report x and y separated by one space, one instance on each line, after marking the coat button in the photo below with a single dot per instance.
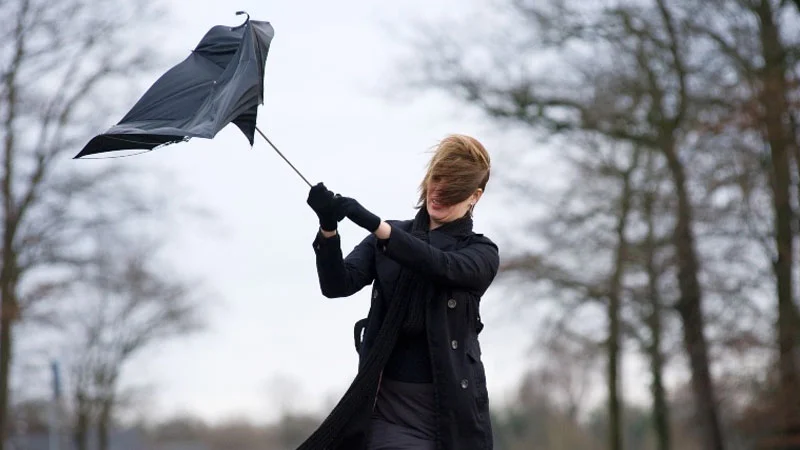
451 303
375 293
454 344
464 383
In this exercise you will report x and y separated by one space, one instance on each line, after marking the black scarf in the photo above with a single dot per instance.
406 313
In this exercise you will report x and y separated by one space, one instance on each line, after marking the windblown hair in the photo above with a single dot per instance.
460 165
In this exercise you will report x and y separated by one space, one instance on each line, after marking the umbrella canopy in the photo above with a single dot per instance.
219 83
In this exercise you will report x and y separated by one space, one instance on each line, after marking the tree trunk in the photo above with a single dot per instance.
614 402
8 305
660 408
5 363
614 306
8 315
103 424
690 307
108 386
81 430
776 119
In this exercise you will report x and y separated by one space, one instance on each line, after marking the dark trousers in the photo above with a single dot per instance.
388 436
404 417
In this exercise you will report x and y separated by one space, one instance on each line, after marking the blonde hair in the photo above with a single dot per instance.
461 164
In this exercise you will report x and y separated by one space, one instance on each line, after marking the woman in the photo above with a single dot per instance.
421 383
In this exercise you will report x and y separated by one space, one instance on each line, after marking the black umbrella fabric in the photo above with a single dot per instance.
220 82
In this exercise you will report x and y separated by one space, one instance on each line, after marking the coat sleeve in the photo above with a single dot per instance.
473 267
344 276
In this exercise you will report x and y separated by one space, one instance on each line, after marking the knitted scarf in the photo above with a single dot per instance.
406 313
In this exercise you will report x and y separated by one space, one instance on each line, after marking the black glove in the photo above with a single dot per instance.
358 214
321 200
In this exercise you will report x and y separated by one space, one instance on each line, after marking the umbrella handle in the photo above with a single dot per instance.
281 155
239 13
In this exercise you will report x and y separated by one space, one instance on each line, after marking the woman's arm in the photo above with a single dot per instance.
342 277
472 267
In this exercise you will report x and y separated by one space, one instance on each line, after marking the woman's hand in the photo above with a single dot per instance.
324 204
363 217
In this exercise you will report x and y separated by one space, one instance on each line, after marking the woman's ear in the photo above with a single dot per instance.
476 196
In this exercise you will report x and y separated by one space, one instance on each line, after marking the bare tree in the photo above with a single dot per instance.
756 41
774 98
123 304
594 216
56 59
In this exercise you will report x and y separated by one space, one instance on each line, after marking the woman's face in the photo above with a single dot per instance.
440 213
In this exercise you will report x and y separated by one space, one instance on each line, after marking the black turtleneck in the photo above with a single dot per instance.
410 360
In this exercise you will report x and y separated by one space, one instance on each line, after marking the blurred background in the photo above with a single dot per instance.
644 194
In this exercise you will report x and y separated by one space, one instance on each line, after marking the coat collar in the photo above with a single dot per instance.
457 228
446 235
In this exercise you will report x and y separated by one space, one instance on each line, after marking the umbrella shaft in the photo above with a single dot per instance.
281 155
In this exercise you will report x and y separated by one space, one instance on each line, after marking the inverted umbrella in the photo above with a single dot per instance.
220 82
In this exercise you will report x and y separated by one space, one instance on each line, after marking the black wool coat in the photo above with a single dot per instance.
459 268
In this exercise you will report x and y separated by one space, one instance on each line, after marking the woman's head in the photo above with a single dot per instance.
456 178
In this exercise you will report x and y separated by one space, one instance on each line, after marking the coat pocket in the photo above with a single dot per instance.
478 373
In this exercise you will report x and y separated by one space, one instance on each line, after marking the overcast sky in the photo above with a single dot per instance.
327 66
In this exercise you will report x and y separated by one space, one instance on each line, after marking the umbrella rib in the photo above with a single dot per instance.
281 155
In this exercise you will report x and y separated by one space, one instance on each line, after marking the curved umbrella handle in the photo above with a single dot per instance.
239 13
